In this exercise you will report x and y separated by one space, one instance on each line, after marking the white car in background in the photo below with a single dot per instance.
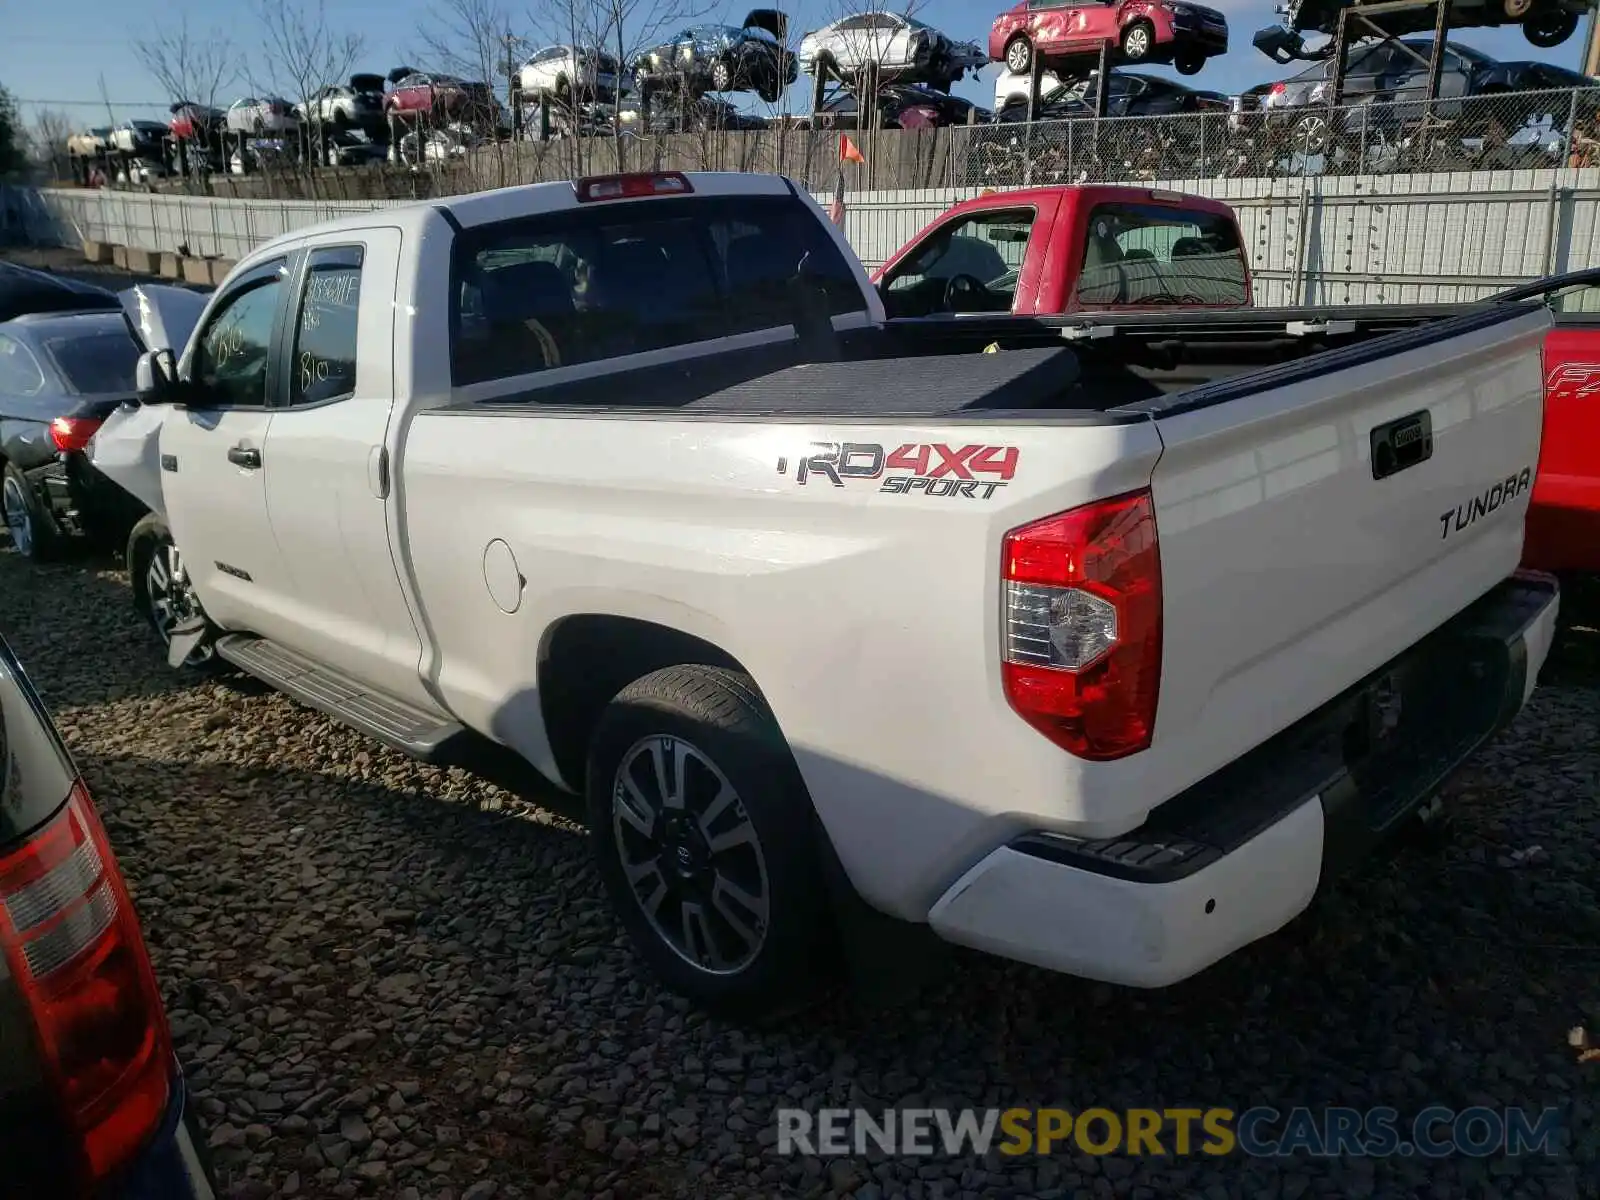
557 70
1009 85
898 45
354 105
90 143
264 114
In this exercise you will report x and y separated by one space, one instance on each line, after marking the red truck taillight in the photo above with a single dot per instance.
72 944
1082 653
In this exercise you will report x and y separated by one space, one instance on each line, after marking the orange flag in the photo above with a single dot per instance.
847 150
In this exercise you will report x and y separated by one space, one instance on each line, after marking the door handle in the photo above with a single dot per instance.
243 456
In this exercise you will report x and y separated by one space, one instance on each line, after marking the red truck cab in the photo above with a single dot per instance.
1062 250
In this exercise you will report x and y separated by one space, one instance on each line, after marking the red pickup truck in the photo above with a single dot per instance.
1060 250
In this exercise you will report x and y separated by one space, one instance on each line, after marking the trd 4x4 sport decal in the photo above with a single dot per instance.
972 472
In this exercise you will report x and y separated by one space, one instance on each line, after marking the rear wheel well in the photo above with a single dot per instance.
588 659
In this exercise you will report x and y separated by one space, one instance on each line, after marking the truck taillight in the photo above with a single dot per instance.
72 945
72 434
1082 654
632 187
1278 89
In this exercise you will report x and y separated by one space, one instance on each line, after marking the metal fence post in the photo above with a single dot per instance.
1572 125
1201 169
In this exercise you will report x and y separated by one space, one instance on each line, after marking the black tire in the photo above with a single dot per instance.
1548 28
33 530
150 540
1019 56
826 68
342 120
715 721
1189 64
1138 41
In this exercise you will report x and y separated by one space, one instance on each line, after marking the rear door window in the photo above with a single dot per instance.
622 279
1144 255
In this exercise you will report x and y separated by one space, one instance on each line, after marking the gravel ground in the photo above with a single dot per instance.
392 980
388 979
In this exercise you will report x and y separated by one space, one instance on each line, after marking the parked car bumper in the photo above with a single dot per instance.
173 1166
82 502
1243 853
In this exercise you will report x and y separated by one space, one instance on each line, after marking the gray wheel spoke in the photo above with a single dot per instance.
636 810
639 873
157 576
697 939
725 797
742 834
725 896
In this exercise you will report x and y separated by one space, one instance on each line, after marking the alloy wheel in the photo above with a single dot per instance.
690 855
170 598
1137 43
19 517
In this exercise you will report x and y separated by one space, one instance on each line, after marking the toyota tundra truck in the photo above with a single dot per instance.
1101 642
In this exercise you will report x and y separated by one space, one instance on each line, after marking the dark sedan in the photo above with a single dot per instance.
1393 76
24 290
724 58
92 1100
1133 94
901 107
61 375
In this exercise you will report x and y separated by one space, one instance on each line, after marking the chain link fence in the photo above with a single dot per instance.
1282 139
1502 131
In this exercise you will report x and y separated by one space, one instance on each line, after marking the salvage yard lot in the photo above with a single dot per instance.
388 979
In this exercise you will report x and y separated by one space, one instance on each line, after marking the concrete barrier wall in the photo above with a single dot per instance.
1338 240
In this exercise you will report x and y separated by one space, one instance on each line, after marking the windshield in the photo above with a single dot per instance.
1143 255
94 363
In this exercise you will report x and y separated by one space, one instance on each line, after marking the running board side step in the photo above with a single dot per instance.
395 723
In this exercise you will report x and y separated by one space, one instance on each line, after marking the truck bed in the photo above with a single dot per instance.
1103 369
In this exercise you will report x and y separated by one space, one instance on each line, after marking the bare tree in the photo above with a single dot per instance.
472 39
47 141
190 66
301 54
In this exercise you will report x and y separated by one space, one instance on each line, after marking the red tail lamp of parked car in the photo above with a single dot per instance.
1082 652
72 943
72 434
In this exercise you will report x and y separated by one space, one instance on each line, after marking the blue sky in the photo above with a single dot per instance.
57 52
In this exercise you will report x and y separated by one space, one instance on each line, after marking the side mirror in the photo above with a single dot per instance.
154 376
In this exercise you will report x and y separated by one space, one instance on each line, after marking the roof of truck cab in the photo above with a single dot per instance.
526 200
1093 193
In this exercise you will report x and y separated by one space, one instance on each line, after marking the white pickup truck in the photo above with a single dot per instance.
1101 650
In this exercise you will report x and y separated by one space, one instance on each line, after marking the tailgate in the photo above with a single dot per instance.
1313 528
1564 525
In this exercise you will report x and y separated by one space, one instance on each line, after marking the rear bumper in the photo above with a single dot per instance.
1242 853
82 502
173 1166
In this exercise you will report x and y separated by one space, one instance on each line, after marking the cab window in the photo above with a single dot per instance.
616 280
232 357
324 364
970 265
1143 255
